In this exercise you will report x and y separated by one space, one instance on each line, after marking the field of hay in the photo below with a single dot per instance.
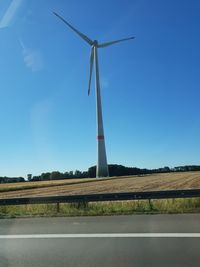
168 181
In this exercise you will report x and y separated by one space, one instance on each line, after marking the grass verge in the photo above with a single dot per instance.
190 205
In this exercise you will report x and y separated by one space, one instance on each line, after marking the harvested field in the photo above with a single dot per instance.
168 181
31 185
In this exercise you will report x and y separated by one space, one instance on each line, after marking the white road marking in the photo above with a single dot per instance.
102 235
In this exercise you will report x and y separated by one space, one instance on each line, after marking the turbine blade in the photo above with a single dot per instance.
83 36
114 42
91 68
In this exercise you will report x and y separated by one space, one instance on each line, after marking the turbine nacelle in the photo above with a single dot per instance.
95 43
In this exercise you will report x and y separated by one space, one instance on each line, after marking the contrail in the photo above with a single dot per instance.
10 13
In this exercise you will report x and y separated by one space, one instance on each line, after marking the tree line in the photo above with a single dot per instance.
11 179
114 170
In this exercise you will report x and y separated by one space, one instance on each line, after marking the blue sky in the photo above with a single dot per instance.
150 86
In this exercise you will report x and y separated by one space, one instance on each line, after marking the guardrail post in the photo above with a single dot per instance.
150 204
58 207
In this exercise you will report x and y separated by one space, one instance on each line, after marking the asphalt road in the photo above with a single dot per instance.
57 241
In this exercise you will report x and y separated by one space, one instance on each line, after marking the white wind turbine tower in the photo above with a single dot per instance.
102 166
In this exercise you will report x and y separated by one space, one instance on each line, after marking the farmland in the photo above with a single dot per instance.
167 181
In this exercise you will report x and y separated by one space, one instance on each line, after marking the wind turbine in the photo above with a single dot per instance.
102 166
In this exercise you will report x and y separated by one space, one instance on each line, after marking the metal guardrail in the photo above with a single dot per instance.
188 193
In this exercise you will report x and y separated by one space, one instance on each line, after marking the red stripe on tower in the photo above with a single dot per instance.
100 137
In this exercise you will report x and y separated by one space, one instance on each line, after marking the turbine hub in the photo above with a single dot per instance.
95 43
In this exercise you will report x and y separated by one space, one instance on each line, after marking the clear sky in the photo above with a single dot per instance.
150 85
